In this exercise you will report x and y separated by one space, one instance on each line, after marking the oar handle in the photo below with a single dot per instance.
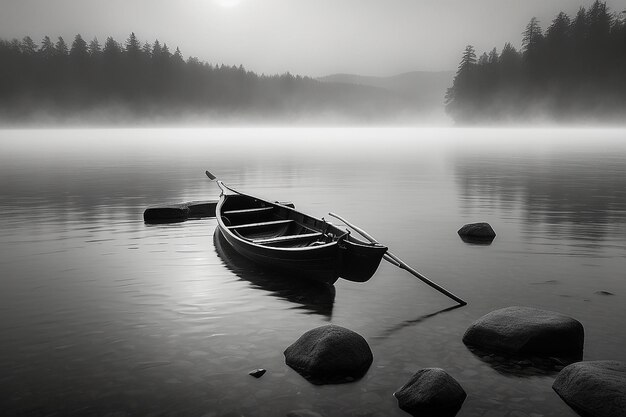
355 228
393 259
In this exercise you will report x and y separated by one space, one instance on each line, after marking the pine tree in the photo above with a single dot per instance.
94 48
156 49
146 50
61 48
493 57
47 50
111 48
463 87
28 46
79 49
532 37
467 61
133 46
483 60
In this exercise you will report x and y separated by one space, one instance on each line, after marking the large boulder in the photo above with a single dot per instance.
596 389
431 392
527 331
480 232
330 355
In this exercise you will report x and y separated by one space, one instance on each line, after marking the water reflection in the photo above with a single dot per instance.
476 241
312 297
407 323
104 315
561 194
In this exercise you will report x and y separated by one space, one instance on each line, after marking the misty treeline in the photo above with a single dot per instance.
574 71
137 80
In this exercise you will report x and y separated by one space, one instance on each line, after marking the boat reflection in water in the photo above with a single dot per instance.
311 296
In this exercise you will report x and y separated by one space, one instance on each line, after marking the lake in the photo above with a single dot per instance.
104 315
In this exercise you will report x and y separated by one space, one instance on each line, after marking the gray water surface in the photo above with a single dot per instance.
105 315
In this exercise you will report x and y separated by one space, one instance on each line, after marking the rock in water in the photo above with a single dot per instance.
525 330
166 214
303 413
478 231
596 388
179 212
202 208
431 392
330 355
257 373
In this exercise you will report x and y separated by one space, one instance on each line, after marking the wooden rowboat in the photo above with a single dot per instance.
282 238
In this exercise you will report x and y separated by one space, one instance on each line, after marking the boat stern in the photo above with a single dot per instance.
359 261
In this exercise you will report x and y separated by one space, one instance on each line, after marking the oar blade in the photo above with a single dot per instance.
211 176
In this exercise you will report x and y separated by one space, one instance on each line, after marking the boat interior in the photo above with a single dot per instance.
272 225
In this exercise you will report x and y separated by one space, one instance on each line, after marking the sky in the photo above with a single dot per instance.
308 37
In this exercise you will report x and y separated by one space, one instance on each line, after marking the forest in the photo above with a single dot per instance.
137 80
574 71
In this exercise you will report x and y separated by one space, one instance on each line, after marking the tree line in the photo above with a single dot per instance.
147 79
575 70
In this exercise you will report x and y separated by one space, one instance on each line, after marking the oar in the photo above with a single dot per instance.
219 183
391 258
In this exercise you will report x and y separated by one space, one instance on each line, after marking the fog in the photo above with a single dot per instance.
312 63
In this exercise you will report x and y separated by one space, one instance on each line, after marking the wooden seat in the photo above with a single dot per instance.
286 238
261 224
250 210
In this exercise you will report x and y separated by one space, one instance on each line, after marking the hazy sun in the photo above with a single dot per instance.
228 3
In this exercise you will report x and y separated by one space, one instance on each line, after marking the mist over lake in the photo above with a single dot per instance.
235 208
106 315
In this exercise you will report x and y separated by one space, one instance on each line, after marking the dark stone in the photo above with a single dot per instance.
525 330
257 373
166 214
596 388
431 392
303 413
180 212
202 208
330 355
479 232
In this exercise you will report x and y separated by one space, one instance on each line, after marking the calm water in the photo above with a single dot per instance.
105 315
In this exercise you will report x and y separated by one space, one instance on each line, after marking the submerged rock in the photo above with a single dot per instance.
179 212
166 214
525 330
431 392
202 208
330 355
257 373
303 413
481 232
595 388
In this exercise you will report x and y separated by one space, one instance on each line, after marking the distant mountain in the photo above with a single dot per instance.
424 89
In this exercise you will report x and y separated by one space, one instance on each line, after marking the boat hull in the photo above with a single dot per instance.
281 238
322 264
